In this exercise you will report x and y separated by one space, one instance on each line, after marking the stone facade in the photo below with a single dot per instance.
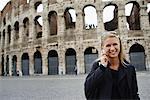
20 33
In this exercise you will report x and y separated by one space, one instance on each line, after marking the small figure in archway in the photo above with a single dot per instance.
111 77
75 70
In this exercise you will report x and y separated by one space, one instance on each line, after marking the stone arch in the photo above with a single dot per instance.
38 26
90 54
9 34
89 11
133 15
137 56
16 28
7 65
110 24
37 62
71 61
14 66
70 17
53 62
26 28
52 19
25 64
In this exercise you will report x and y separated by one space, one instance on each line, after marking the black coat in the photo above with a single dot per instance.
98 84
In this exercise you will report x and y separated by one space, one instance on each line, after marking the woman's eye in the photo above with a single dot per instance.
108 45
115 44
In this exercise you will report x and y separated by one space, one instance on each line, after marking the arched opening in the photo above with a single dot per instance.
53 62
52 18
71 61
4 21
132 12
2 64
148 11
38 26
38 6
37 63
70 18
28 1
16 28
14 65
90 17
25 64
3 42
7 65
26 28
110 17
90 54
137 56
9 34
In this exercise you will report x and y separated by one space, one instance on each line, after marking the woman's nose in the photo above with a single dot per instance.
112 47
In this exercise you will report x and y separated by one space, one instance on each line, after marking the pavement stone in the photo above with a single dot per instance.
57 87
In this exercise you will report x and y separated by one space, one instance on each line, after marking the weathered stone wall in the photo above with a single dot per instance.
77 38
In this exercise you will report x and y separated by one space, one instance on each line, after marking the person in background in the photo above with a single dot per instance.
112 77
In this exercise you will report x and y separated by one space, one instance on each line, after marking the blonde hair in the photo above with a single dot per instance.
113 34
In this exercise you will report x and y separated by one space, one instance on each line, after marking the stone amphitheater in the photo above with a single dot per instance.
53 42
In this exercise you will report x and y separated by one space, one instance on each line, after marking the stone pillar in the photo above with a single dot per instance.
10 65
31 22
21 33
45 29
6 38
61 51
1 36
31 63
5 65
122 20
144 20
61 56
100 24
80 61
12 37
79 22
2 41
44 62
31 30
60 21
19 69
0 66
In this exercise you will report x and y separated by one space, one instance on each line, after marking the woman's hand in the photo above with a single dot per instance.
104 58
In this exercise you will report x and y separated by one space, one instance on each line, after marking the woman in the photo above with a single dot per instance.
111 77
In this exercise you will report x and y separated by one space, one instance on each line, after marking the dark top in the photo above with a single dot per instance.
115 91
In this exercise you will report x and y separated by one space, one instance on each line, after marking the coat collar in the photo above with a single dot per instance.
122 73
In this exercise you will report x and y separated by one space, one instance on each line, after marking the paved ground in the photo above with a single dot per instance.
56 87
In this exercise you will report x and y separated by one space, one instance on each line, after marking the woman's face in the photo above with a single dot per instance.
112 47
